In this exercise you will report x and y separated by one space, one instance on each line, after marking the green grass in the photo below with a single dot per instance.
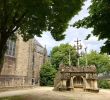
29 97
15 98
23 97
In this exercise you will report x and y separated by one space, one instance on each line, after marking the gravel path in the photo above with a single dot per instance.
47 93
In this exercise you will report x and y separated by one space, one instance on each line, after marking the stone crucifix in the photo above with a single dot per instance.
78 46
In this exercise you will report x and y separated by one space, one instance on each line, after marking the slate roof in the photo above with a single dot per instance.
37 43
39 47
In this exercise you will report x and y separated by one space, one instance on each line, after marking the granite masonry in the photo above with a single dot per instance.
22 63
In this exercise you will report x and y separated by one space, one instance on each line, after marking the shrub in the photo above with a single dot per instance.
47 74
104 84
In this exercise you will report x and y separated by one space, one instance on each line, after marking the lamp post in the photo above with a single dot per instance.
78 46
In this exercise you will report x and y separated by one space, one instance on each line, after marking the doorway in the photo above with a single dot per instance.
78 83
68 84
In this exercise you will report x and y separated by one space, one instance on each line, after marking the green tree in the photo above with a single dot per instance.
47 74
101 61
99 20
32 17
60 54
104 84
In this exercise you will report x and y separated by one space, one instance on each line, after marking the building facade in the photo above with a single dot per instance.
22 63
76 79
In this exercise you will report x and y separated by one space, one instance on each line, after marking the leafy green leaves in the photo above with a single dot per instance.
104 84
47 74
60 54
34 17
98 19
101 61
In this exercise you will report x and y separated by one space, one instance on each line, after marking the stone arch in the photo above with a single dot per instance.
78 82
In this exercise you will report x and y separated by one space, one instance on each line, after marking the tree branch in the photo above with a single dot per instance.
15 29
16 23
4 17
20 18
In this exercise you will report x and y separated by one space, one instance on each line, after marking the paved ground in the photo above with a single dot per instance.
47 93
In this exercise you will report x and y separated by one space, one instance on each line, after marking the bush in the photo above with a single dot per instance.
47 74
104 84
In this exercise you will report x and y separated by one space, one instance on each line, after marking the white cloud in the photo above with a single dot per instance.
73 33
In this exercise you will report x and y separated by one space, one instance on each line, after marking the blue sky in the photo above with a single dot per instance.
72 34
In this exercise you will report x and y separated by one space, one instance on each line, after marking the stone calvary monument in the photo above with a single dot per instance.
76 78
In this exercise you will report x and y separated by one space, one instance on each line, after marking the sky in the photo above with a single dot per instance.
72 34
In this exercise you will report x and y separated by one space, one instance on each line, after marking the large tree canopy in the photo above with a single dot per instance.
101 61
32 17
60 54
99 20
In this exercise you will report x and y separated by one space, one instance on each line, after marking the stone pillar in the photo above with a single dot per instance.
71 83
5 82
61 83
12 82
85 83
64 83
95 84
23 81
92 84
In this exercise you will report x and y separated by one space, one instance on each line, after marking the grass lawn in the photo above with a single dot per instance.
24 97
17 98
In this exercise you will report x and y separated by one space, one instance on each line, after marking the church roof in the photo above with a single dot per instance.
37 43
39 47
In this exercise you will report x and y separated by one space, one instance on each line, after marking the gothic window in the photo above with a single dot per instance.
11 48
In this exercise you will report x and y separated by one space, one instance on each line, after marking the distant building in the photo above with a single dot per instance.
22 63
76 79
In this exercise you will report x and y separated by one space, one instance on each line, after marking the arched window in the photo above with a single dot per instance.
11 45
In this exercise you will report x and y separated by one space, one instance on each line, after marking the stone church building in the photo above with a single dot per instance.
22 63
76 79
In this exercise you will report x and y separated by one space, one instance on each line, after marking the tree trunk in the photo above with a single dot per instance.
3 47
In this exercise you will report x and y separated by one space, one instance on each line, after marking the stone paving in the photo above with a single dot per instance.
47 93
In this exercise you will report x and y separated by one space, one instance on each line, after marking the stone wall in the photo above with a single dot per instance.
22 57
24 67
39 61
9 66
12 81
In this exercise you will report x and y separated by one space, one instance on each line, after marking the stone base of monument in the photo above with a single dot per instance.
91 90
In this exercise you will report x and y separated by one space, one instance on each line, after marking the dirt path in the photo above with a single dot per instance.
47 93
